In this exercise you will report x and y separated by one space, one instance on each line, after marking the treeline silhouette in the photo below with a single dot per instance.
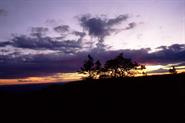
117 67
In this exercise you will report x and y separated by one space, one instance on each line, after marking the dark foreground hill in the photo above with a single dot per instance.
155 97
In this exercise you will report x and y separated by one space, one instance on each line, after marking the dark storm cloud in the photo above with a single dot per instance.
5 43
177 47
100 27
43 43
37 65
39 40
94 26
22 70
170 54
174 47
68 56
47 64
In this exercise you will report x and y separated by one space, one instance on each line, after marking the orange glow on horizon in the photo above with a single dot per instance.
59 77
68 77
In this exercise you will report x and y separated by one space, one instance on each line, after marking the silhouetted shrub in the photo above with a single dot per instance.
113 68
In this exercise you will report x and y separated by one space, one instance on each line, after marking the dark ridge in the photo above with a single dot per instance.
151 97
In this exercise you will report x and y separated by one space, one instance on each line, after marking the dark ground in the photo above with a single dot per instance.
155 97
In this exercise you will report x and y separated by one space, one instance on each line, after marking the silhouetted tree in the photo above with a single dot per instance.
97 65
113 68
142 68
91 68
120 66
88 66
173 70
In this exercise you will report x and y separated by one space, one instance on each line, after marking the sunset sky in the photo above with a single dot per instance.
50 39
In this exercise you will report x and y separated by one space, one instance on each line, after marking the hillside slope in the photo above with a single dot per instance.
154 97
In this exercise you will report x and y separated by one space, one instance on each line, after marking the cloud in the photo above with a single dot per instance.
5 43
68 54
38 65
77 33
61 29
3 12
94 26
69 41
44 43
131 25
39 31
174 53
117 20
168 54
21 66
177 47
100 27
